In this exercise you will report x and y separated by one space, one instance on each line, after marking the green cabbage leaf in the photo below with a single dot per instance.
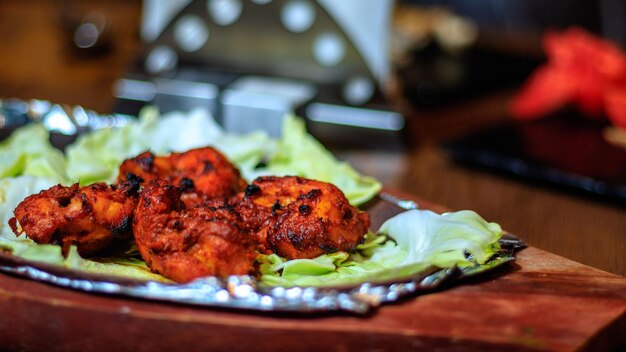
96 156
406 245
298 153
28 151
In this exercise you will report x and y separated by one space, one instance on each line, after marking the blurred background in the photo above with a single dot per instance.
379 55
414 92
420 53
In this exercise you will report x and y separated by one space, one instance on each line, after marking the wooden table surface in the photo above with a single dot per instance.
540 302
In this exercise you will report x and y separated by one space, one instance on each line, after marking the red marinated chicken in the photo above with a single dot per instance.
195 216
301 218
203 173
183 243
93 218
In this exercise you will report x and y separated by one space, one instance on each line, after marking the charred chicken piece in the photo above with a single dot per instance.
296 217
93 218
184 243
202 173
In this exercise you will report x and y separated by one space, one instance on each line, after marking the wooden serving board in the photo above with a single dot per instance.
542 302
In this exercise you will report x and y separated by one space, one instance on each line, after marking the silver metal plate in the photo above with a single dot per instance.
235 292
245 292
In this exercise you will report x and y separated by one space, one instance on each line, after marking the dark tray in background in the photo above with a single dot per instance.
566 151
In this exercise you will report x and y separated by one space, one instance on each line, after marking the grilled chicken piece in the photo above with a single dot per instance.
296 217
184 243
202 173
93 218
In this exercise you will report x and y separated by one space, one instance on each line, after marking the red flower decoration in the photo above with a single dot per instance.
582 70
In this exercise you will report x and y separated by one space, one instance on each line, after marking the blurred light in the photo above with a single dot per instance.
81 118
456 33
191 33
161 59
224 12
358 90
297 16
329 49
39 107
356 117
255 102
86 35
57 120
134 90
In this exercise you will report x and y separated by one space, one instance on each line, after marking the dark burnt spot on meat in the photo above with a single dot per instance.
132 184
146 202
263 179
146 162
64 201
296 239
229 208
327 248
252 190
207 166
83 199
56 238
122 229
132 178
276 207
273 246
177 225
186 184
87 206
347 214
304 209
311 195
25 219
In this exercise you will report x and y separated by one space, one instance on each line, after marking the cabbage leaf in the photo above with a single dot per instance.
299 154
28 151
96 156
407 244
